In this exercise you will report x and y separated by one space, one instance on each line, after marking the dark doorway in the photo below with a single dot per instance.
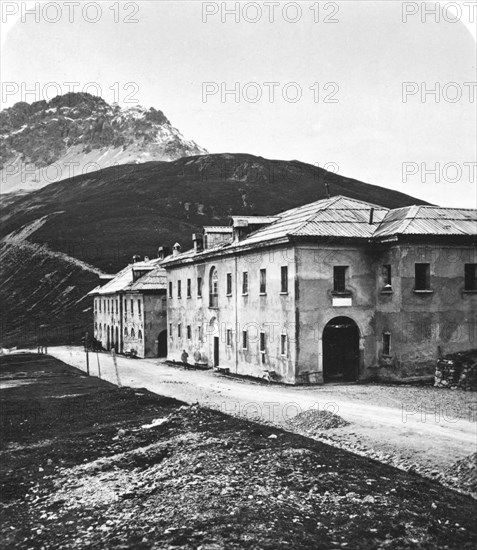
216 351
340 350
162 344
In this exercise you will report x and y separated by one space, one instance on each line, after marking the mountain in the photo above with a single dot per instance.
104 218
77 133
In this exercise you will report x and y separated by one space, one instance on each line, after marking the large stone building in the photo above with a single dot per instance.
130 310
334 290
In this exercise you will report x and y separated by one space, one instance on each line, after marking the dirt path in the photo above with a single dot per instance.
425 429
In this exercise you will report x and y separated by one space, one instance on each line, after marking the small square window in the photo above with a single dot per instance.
199 287
284 279
263 281
386 343
283 344
339 278
422 277
262 342
470 277
244 339
245 282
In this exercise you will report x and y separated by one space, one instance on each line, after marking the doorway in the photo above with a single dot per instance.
162 344
216 351
340 350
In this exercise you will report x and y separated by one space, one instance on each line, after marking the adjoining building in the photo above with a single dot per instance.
130 310
338 289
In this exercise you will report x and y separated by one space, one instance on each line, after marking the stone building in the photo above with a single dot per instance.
338 289
130 310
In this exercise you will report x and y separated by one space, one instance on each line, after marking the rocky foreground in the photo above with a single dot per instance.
85 464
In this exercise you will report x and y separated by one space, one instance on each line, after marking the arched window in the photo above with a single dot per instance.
126 332
133 333
213 288
139 334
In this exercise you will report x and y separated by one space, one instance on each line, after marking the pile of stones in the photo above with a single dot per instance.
457 371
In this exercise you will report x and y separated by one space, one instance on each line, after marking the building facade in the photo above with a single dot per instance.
335 290
130 310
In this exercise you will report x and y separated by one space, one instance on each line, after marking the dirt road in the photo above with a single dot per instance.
426 429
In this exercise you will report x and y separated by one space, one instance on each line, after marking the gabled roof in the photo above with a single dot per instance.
124 279
428 220
346 218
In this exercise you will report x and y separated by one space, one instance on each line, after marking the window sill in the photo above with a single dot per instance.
229 295
244 293
213 307
344 294
284 293
386 292
428 291
262 294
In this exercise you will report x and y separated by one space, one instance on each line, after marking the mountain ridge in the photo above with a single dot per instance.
48 141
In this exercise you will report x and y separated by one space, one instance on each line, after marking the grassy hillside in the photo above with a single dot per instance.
42 296
105 217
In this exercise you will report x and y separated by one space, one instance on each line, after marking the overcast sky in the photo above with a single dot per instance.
362 71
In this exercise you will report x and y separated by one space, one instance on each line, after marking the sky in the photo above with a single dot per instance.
384 91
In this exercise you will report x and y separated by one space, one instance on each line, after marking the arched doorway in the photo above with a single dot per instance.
162 344
340 350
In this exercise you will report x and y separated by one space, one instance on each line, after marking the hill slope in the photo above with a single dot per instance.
105 217
78 133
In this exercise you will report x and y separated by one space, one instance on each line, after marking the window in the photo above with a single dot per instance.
189 332
117 307
199 333
263 281
108 305
244 339
126 332
283 344
199 287
245 282
132 307
139 334
125 306
189 287
386 343
229 284
133 333
470 277
170 289
229 337
339 278
213 288
387 276
422 277
170 330
99 300
262 342
284 279
179 289
179 330
139 307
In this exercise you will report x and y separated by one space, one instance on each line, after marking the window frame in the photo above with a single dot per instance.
386 343
283 345
284 279
424 277
213 288
199 287
244 283
228 338
189 288
470 277
263 281
244 339
340 279
179 289
228 284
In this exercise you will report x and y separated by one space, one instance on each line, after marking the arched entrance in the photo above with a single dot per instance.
162 344
340 350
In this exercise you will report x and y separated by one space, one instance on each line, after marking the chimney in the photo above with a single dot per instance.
136 258
198 242
162 252
327 190
146 258
371 214
176 249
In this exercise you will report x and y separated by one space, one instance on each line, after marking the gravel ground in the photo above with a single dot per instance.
87 465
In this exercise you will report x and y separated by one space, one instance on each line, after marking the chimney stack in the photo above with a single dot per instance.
136 258
176 249
163 252
198 242
327 191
